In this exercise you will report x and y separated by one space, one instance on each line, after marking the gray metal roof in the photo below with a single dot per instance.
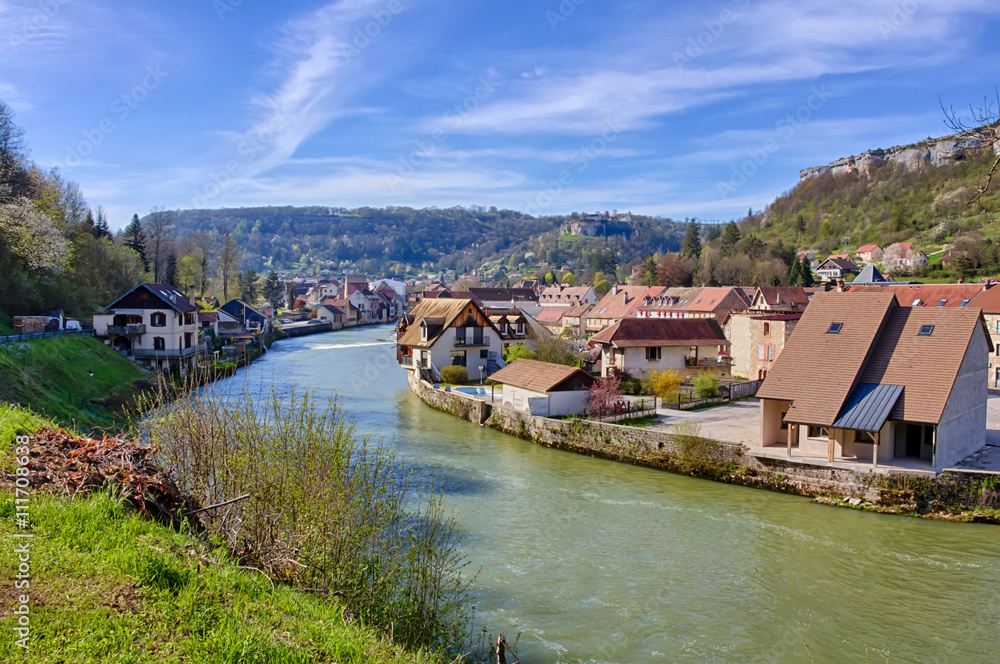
868 407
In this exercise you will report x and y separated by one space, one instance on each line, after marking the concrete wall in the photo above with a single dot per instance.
568 403
771 431
962 429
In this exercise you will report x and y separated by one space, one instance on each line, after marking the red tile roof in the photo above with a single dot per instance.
632 332
925 295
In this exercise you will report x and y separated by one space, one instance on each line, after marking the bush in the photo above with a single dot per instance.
665 384
325 509
706 385
454 374
631 386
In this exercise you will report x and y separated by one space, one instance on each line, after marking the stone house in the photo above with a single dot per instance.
904 256
757 339
619 302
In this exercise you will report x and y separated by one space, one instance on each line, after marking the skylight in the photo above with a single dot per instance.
964 302
835 328
916 302
925 330
941 303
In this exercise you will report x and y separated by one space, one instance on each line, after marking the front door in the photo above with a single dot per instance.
913 434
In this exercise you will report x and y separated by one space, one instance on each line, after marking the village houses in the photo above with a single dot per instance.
642 345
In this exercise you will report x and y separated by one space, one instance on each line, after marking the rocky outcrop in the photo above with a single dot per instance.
937 152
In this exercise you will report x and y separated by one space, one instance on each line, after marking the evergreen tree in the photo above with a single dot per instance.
170 274
101 228
795 273
247 282
714 232
807 274
272 289
692 243
731 235
135 239
648 275
290 296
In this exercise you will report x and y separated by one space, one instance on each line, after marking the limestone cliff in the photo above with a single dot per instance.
938 152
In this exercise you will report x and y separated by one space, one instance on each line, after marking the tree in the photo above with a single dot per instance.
556 351
134 237
665 384
795 273
518 352
983 122
170 271
272 289
568 278
647 271
807 273
692 242
672 272
714 232
187 273
730 236
602 286
229 263
290 296
549 278
203 241
13 155
160 225
248 286
962 266
604 395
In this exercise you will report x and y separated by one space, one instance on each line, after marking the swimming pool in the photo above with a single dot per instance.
474 391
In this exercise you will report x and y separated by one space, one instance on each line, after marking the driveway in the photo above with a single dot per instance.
737 422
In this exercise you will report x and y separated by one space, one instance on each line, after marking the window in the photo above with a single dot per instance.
835 328
916 303
760 352
770 352
159 343
652 353
483 354
819 432
864 437
964 302
458 360
941 303
158 319
925 330
767 329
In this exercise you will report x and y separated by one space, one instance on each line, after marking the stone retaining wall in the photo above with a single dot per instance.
721 461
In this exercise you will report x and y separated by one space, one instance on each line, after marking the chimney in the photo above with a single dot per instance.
191 295
614 289
961 280
840 285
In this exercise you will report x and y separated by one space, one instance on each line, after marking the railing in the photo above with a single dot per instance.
707 362
407 361
474 341
127 330
165 354
15 338
623 409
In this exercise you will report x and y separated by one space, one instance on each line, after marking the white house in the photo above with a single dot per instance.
448 331
642 345
154 324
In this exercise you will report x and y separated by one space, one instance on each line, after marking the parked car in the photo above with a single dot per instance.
315 321
72 325
284 320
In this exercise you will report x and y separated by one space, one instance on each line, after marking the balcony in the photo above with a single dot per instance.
478 340
720 361
170 353
127 330
407 361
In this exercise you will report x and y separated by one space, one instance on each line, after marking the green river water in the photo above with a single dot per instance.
594 561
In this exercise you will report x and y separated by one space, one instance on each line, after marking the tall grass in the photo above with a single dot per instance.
327 510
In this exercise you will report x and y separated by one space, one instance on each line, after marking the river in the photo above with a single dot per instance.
595 561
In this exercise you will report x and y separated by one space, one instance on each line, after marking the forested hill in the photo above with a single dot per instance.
404 240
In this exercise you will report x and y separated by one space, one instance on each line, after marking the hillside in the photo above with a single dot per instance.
51 377
832 209
405 240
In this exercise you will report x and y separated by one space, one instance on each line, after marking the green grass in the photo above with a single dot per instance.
641 422
106 584
6 324
50 376
16 421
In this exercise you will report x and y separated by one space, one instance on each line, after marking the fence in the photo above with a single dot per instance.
15 338
689 397
624 409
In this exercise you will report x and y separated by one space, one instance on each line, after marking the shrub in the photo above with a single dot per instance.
631 386
705 385
517 352
665 384
454 374
325 509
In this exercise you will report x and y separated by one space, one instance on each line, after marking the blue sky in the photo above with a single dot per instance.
663 108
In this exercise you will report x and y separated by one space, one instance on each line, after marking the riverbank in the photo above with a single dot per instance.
961 496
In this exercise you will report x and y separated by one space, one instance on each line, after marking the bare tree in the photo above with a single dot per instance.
204 243
982 122
159 228
229 264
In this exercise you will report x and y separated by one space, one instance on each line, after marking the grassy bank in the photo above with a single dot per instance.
107 584
52 377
